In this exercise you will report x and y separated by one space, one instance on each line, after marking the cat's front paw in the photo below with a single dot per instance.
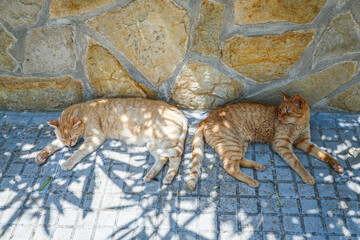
41 157
337 168
309 180
67 166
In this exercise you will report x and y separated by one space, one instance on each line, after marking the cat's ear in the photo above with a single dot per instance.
286 97
299 101
54 123
76 122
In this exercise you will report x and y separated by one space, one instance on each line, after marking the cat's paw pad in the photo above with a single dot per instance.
309 180
41 157
67 166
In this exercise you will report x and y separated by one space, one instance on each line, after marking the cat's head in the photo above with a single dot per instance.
68 132
294 110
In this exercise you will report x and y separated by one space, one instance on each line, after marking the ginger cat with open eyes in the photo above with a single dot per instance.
230 129
157 124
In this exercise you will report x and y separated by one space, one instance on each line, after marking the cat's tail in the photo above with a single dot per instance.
197 157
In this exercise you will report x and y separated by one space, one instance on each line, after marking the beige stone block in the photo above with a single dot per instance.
39 93
206 36
108 78
341 36
50 50
64 8
7 61
265 58
348 100
202 86
262 11
314 87
20 12
152 34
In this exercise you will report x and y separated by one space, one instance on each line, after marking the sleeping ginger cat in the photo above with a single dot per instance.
231 128
157 124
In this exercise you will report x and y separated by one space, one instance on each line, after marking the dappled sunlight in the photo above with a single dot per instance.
105 194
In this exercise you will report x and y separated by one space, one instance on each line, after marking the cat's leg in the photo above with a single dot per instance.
286 152
231 150
232 154
232 167
307 146
158 165
247 162
90 144
251 164
48 150
156 168
173 168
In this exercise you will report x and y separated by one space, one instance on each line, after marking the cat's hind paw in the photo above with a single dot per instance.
66 166
337 168
148 178
253 183
260 168
191 183
167 180
41 157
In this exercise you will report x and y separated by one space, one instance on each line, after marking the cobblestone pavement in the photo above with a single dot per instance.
104 197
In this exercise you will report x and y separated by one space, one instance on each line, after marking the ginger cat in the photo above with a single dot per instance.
157 124
230 129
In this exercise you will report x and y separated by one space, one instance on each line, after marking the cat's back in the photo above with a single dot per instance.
122 105
255 121
132 112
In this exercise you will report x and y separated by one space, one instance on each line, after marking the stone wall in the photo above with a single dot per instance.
191 53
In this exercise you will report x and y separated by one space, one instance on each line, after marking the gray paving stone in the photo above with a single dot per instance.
104 195
313 225
310 207
270 205
271 223
249 205
286 189
292 224
289 206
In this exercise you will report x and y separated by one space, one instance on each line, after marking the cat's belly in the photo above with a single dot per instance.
130 137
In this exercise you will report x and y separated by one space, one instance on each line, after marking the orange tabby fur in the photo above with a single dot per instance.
157 124
231 128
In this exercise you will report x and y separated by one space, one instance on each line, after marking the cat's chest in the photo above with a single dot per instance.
288 131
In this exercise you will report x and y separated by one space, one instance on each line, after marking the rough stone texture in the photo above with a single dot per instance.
64 8
342 35
20 12
39 93
265 58
262 11
201 86
349 100
152 34
108 78
50 50
312 87
7 62
206 35
355 7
